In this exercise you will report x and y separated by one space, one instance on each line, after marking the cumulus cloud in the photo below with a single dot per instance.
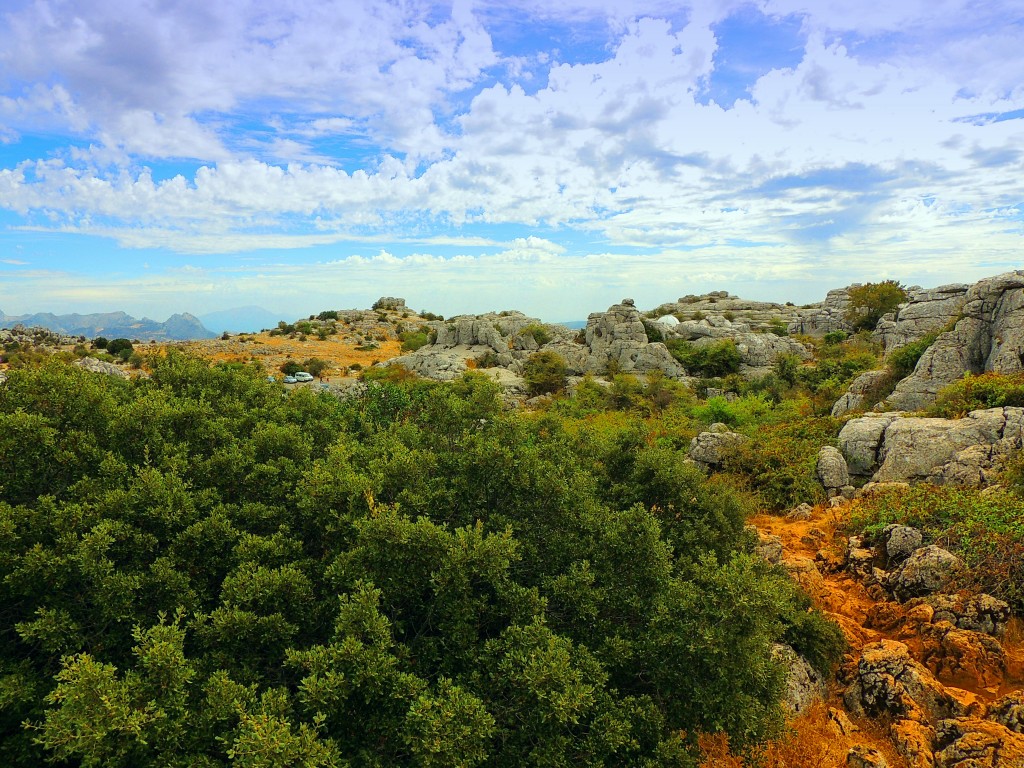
889 138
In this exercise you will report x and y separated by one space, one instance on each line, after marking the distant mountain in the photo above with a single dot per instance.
574 324
113 325
240 319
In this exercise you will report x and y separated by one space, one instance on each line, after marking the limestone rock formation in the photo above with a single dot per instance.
98 366
804 685
617 339
831 469
858 394
1009 711
970 658
861 756
829 316
979 613
926 571
989 336
924 312
899 542
969 451
710 448
976 743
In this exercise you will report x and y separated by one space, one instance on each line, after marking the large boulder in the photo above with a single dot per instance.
976 743
826 317
858 395
710 448
924 312
979 613
899 542
1009 711
988 336
99 366
831 468
804 685
970 451
928 570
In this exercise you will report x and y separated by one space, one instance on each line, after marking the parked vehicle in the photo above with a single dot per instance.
303 376
289 380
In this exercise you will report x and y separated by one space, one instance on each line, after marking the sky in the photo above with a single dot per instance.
552 156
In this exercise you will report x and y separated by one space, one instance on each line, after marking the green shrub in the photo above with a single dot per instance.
986 529
413 340
538 332
974 392
654 333
545 373
901 362
116 346
870 301
835 337
778 326
713 360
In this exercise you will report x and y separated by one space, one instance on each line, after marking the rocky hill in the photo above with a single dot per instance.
113 325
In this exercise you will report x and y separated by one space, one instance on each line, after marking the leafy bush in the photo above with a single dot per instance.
413 340
654 333
545 373
974 392
901 362
289 367
985 529
719 358
117 346
835 337
100 342
870 301
537 332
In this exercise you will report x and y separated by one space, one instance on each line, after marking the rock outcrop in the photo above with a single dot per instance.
829 316
710 448
617 340
804 685
925 572
924 312
891 447
989 336
98 366
858 395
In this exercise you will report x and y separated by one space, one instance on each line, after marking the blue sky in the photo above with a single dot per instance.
549 156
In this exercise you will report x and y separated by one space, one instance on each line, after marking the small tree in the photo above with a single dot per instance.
545 373
316 366
290 368
870 301
100 342
116 346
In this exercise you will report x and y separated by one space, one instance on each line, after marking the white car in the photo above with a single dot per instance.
303 376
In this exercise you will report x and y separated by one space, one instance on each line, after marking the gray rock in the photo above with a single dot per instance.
927 570
802 511
98 366
989 336
710 448
978 613
768 546
862 756
830 315
899 542
887 681
924 312
389 302
968 451
804 685
858 396
831 468
860 441
1009 711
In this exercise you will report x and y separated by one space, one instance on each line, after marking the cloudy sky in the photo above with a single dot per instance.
547 155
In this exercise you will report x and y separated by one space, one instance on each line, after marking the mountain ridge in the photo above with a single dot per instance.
181 326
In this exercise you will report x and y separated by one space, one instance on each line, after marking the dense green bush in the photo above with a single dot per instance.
537 332
974 392
870 301
544 373
413 340
985 529
902 362
719 358
198 571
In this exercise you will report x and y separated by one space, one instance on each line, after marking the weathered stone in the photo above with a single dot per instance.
888 681
862 756
980 613
1009 711
899 542
913 740
711 448
830 315
924 312
927 570
976 743
858 396
831 468
970 658
98 366
860 441
389 302
768 546
804 685
988 336
800 512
